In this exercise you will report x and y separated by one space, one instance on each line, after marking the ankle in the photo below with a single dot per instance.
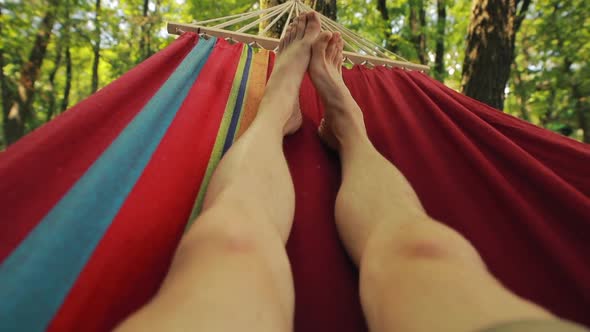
339 99
282 84
270 122
349 129
353 145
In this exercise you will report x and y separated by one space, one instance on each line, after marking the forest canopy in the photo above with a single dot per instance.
525 57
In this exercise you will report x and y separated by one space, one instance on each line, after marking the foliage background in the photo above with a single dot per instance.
549 82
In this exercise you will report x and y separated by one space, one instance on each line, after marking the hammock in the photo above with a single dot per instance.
93 204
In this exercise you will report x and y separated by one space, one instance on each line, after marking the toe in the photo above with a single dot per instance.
281 44
292 32
286 37
301 22
313 25
339 61
321 43
340 53
337 55
331 51
293 24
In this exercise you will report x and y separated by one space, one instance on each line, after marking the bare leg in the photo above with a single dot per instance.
416 274
230 271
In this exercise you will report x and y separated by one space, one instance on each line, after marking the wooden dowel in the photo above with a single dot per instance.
272 43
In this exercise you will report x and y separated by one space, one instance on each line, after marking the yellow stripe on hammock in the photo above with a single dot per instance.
255 90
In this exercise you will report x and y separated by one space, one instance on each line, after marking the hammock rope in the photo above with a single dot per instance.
358 50
245 17
288 20
366 46
271 24
257 22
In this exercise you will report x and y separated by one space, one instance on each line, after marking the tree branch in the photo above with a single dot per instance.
66 94
52 74
521 14
441 21
4 84
30 71
96 49
382 7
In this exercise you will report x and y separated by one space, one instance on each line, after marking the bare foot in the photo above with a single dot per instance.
291 64
343 119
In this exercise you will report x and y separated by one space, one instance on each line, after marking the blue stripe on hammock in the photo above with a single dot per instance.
37 276
235 119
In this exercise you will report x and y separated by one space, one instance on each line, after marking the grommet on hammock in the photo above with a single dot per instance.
368 64
255 44
230 40
204 36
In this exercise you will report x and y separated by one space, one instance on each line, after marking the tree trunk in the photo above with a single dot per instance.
417 27
5 93
382 8
441 22
52 92
275 31
96 48
67 87
18 108
580 104
490 49
4 85
327 8
144 43
582 112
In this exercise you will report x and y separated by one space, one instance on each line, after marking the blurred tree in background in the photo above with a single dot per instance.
489 54
54 53
550 78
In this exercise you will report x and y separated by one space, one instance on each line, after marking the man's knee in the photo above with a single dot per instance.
231 233
421 241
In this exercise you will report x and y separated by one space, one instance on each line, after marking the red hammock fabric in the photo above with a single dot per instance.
519 193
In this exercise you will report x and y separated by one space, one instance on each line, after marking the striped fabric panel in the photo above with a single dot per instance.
47 263
134 255
248 87
38 170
